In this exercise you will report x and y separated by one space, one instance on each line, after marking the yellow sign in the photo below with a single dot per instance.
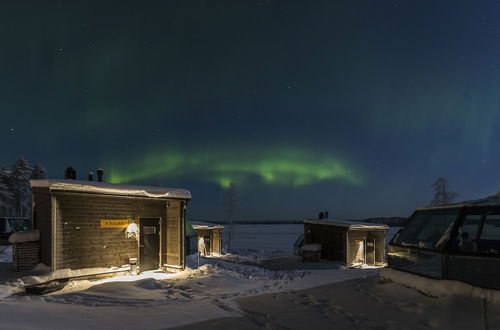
114 223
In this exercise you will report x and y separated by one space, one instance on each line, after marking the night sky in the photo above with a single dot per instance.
354 107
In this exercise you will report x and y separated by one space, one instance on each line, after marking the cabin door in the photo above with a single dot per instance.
370 251
149 244
208 245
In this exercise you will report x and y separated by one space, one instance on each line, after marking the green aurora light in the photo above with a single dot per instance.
278 166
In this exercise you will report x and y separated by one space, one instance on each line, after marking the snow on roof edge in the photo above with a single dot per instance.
348 224
207 227
111 189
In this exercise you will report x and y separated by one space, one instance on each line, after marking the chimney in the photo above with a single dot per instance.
70 174
67 173
100 174
90 175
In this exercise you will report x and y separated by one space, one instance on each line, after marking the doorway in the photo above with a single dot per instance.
208 244
370 251
149 244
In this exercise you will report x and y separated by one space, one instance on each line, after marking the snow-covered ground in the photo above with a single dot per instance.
154 300
5 253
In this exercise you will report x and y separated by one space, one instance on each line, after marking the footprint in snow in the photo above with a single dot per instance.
186 295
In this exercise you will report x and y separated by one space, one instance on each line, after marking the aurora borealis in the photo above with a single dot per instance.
351 107
274 167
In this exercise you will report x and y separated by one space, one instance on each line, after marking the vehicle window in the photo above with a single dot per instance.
489 241
467 234
427 230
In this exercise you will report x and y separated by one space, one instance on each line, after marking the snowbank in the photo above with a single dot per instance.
24 236
64 273
6 254
438 288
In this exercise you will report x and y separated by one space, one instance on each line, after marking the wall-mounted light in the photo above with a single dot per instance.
132 231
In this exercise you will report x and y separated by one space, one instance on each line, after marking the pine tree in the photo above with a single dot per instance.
6 196
231 208
19 183
442 193
38 172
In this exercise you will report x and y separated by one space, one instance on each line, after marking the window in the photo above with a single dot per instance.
149 230
426 229
466 239
489 241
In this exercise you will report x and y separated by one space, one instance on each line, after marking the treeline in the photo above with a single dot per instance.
15 194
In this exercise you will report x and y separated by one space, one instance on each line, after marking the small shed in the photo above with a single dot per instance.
86 224
353 243
209 239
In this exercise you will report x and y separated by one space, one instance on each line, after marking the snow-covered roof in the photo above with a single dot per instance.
207 227
24 236
353 225
111 189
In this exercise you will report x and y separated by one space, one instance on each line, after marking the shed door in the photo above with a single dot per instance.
149 244
370 251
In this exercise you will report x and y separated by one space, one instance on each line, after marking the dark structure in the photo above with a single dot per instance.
93 224
457 242
209 239
9 225
353 243
25 250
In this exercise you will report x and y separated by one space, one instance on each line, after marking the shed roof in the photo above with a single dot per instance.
352 225
93 187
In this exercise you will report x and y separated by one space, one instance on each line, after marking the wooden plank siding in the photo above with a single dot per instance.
81 243
354 235
174 233
42 220
215 238
332 240
379 247
216 241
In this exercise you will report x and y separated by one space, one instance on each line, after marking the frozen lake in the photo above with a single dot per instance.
271 237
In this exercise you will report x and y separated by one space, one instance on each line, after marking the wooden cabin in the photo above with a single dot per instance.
86 224
353 243
209 239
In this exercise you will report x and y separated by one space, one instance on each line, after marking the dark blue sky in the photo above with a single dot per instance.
355 107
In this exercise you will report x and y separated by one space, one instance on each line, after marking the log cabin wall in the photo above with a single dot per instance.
42 220
354 236
175 233
378 235
379 246
82 243
216 240
332 240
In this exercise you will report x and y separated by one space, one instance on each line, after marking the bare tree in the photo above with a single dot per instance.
442 193
231 208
